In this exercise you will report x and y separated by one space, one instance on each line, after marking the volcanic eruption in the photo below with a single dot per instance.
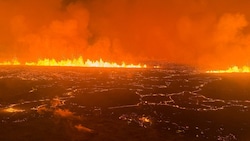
124 70
205 34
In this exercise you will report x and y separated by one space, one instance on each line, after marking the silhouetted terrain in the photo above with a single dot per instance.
74 104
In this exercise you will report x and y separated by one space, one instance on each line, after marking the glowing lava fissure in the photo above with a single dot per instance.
79 62
234 69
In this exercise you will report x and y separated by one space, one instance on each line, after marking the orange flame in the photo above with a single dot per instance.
234 69
79 62
13 62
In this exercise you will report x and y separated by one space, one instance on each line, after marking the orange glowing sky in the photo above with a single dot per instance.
212 33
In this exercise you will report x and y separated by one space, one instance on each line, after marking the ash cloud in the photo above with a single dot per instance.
207 33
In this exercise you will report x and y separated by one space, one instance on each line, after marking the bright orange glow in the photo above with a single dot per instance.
145 119
201 33
13 110
156 67
234 69
80 127
79 62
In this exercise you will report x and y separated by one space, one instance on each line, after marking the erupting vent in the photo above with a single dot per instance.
79 62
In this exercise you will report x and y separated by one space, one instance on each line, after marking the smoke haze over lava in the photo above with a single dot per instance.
208 33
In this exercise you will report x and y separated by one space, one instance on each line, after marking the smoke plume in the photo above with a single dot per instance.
207 33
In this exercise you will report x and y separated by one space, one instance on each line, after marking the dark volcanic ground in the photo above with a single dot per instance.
75 104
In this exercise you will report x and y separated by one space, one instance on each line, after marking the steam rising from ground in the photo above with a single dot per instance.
199 32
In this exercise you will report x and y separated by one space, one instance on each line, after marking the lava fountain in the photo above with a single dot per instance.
234 69
78 62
